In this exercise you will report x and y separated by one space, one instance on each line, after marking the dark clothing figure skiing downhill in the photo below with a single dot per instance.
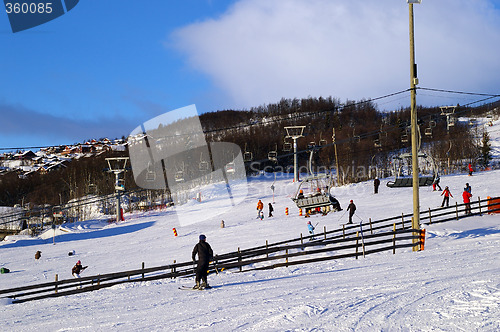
376 184
271 209
351 208
467 196
77 269
436 184
205 255
447 193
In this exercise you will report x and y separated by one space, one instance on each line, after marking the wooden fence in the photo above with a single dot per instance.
353 241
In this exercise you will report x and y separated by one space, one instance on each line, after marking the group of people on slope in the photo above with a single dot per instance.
466 196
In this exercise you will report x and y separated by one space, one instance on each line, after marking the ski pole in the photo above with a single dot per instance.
358 217
342 215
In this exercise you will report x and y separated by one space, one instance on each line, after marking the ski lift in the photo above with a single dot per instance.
273 155
377 143
314 196
179 176
403 171
247 156
323 142
150 174
404 138
287 146
357 139
428 132
311 145
230 167
203 166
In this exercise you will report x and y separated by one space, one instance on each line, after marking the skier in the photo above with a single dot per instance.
205 255
435 183
271 209
38 254
311 230
351 208
260 207
470 170
77 269
447 193
467 196
468 188
376 184
335 203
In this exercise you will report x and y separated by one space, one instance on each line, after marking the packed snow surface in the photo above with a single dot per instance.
453 285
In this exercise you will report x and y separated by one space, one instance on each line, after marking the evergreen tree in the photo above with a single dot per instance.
485 149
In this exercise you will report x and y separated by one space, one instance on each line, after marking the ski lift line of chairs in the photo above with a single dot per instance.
179 176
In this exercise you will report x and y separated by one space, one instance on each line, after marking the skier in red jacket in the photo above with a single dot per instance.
467 196
447 193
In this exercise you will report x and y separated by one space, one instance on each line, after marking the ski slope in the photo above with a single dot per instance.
453 285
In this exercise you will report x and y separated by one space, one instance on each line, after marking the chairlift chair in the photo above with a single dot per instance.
150 174
247 156
404 138
377 143
314 198
404 161
179 176
428 132
323 142
287 146
357 139
230 167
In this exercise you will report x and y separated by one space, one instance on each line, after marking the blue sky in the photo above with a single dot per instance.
105 67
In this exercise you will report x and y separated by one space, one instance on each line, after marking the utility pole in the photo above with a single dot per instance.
336 157
414 130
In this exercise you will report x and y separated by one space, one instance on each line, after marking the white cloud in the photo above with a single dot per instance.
261 50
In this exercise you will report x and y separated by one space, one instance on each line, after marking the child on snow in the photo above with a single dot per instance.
311 229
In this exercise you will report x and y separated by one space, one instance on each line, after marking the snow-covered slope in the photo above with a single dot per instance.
453 285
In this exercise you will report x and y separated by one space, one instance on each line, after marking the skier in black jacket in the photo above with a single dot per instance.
351 208
205 255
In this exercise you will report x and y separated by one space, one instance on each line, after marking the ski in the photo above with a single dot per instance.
194 289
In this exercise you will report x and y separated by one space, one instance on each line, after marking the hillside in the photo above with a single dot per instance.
452 284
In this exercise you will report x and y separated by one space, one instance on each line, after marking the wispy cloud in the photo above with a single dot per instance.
260 51
19 121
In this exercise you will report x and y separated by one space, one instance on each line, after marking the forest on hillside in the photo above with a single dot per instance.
365 139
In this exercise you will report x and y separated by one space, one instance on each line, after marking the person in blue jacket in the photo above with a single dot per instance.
311 229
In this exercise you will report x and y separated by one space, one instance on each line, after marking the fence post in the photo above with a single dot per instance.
142 270
57 277
456 208
430 216
286 258
301 239
402 220
239 257
99 279
343 231
173 268
371 228
267 254
394 239
357 244
324 229
479 201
